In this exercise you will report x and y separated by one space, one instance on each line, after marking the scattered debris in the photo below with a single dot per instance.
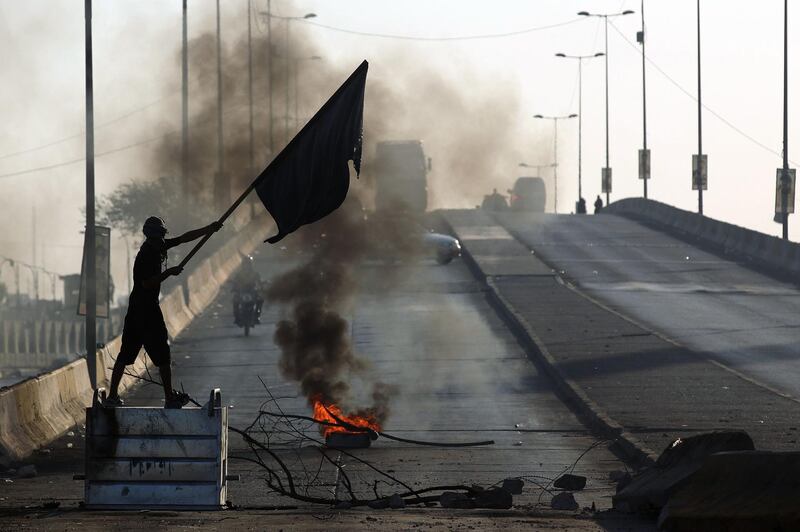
649 491
513 485
378 504
622 478
564 500
452 499
570 482
494 498
746 490
27 471
396 502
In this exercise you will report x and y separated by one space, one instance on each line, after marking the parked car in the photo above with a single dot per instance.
528 194
445 247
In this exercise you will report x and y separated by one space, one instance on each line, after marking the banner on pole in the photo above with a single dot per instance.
700 175
789 192
103 271
606 184
644 164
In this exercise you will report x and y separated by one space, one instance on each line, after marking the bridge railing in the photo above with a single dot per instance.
777 256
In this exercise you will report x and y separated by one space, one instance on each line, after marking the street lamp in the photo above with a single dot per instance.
644 153
289 20
786 182
555 120
297 61
606 174
699 161
580 59
537 166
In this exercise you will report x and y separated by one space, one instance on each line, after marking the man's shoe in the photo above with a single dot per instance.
178 400
113 402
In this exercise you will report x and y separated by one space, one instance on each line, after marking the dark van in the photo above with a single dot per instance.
528 194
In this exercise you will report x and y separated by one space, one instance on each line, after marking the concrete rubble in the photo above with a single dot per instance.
570 482
564 501
649 490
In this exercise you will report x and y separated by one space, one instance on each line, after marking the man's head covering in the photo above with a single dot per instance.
154 227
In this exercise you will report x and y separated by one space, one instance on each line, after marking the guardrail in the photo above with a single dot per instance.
39 343
38 410
770 253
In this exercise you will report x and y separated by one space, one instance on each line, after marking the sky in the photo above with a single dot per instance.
137 86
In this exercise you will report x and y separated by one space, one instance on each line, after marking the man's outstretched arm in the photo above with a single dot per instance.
194 234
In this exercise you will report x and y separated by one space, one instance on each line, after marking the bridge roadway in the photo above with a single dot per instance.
461 377
714 306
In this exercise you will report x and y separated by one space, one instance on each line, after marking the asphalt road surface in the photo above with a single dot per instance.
424 328
718 307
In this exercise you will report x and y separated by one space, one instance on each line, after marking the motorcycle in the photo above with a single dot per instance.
248 311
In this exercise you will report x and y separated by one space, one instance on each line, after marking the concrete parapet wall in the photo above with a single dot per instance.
38 410
768 252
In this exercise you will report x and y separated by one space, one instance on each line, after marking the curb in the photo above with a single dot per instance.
587 411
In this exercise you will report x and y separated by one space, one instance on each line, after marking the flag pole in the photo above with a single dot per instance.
222 219
278 157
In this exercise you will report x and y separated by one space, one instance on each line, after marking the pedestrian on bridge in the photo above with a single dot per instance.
598 204
144 323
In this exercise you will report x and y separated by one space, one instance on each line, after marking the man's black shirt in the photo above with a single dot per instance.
148 264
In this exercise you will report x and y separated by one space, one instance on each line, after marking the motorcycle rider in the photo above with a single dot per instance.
246 281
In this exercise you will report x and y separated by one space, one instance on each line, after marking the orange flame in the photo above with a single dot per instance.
322 412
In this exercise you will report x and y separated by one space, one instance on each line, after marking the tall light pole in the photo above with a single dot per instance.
699 161
185 103
297 61
606 173
91 267
644 153
580 59
786 184
289 21
268 15
221 188
555 120
250 82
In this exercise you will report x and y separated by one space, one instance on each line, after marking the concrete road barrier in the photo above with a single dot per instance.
766 251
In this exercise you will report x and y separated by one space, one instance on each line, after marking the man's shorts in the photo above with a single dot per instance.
145 329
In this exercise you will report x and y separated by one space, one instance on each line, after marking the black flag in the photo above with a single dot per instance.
309 179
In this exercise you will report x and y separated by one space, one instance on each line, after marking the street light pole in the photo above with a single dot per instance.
555 120
220 193
700 170
785 173
250 82
91 267
608 165
644 158
607 170
580 59
268 14
185 103
297 62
